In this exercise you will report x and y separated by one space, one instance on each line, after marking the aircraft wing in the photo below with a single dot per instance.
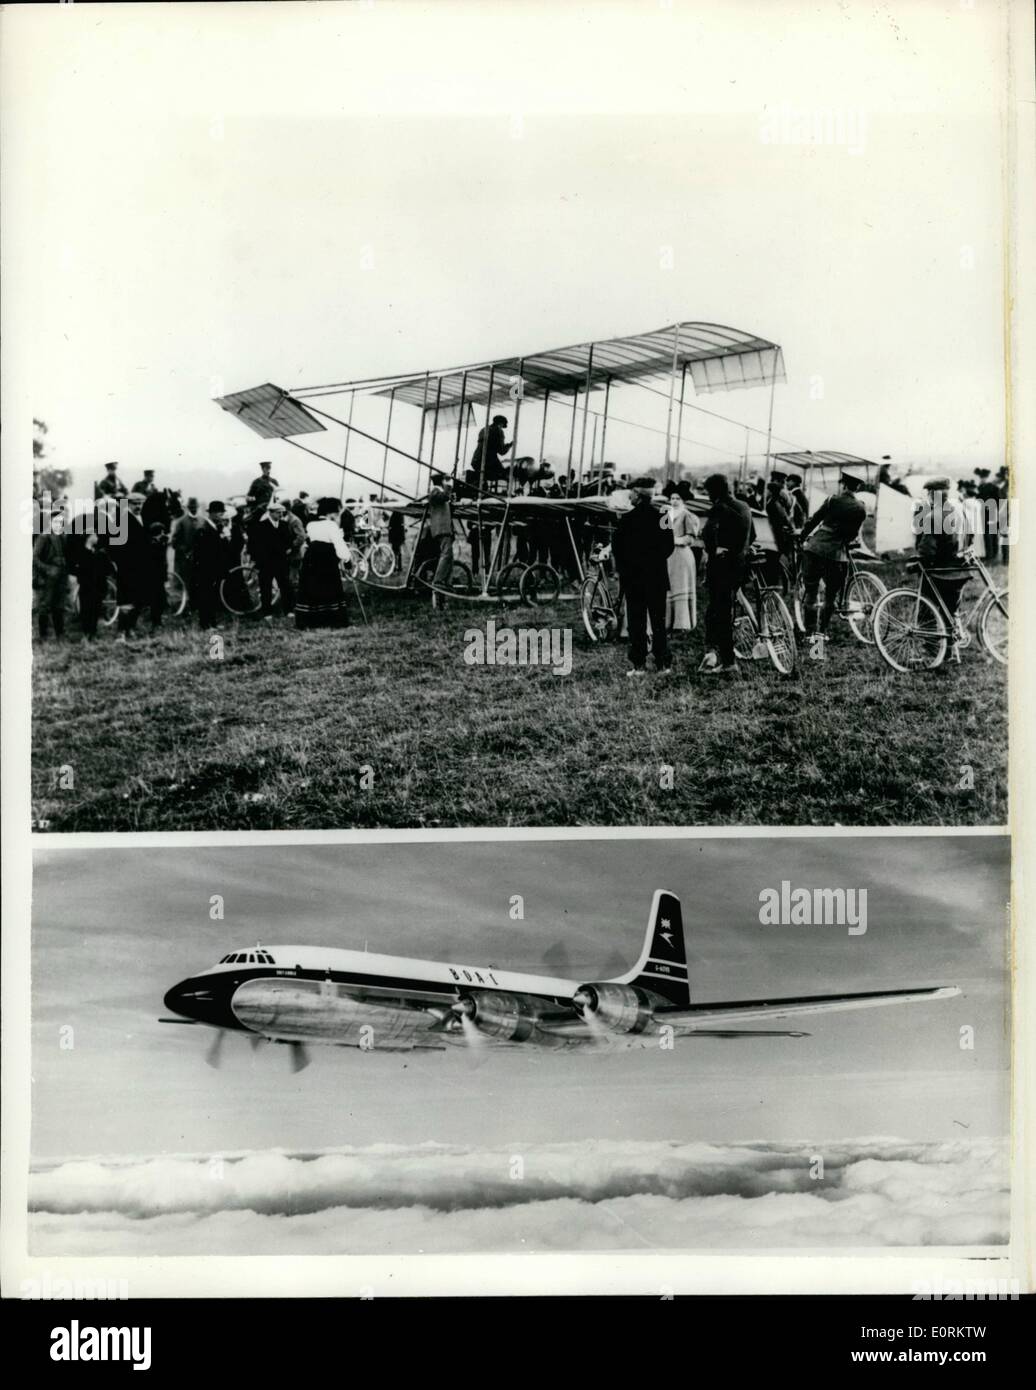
700 1017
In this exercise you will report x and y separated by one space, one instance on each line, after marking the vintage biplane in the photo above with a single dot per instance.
454 403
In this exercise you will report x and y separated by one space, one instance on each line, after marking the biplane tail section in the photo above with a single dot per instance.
662 967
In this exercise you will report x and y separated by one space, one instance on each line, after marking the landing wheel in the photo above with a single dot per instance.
540 584
460 577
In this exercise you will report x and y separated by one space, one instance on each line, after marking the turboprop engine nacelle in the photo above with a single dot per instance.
619 1008
498 1015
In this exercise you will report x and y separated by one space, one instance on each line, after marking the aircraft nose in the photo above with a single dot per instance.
176 1002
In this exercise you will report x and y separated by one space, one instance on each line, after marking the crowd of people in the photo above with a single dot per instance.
137 537
299 547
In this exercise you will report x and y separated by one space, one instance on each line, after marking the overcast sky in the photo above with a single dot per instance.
213 196
113 929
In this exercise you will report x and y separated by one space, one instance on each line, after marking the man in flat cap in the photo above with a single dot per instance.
642 546
943 535
826 539
270 546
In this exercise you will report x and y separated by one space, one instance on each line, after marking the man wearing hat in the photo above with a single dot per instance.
988 493
261 490
781 515
487 460
797 498
132 555
111 485
943 536
727 535
211 564
826 539
147 484
642 546
270 546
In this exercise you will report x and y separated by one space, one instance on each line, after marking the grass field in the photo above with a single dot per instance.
279 732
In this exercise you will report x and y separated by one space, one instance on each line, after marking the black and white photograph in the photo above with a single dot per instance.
515 772
614 441
443 1048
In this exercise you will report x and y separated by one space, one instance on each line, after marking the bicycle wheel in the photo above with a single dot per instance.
746 629
509 581
861 594
992 626
382 560
175 594
359 562
460 577
540 584
780 632
239 591
909 630
110 603
793 590
599 616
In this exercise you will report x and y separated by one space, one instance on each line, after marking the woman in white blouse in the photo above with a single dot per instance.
682 607
321 598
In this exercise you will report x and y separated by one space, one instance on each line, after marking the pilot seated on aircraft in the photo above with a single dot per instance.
487 461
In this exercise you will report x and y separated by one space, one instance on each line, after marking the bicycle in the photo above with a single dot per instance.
109 603
599 610
763 627
861 590
239 589
371 556
914 630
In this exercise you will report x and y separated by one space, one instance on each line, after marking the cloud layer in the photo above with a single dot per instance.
595 1196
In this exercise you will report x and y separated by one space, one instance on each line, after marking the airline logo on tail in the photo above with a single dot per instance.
662 967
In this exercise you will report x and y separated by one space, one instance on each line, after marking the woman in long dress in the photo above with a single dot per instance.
682 603
321 598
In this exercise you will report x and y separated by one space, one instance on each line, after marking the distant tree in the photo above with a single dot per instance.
56 481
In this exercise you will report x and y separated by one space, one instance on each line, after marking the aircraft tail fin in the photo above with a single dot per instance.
662 967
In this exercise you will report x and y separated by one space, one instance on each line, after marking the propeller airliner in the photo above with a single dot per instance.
315 994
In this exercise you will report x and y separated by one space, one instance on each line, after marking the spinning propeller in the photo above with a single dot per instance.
299 1055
